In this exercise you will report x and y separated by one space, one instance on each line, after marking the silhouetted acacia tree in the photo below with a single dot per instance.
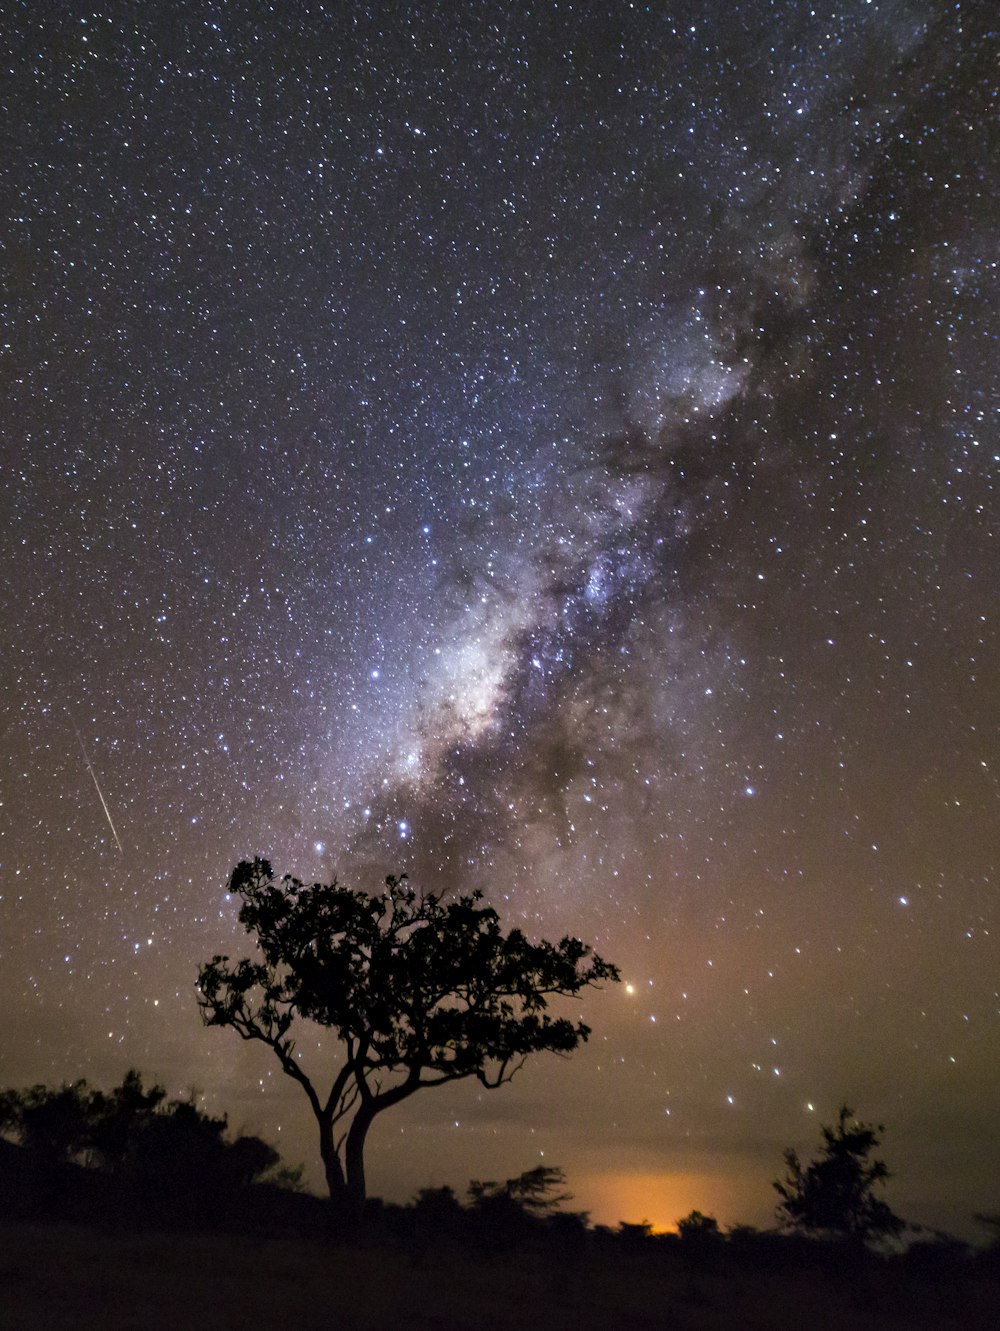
420 992
535 1192
509 1211
834 1195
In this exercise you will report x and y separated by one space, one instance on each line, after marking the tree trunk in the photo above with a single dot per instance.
354 1156
332 1167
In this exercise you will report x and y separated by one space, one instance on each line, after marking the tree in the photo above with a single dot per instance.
534 1193
54 1126
420 992
509 1212
697 1230
835 1194
133 1133
121 1119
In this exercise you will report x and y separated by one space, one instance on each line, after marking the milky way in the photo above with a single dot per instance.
549 450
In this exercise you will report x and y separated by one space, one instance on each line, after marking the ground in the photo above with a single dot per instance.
60 1276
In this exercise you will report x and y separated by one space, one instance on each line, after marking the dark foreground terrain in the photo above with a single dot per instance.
55 1276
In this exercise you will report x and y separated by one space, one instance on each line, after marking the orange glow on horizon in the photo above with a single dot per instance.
660 1197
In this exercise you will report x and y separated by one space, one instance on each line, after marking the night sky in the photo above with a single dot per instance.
544 448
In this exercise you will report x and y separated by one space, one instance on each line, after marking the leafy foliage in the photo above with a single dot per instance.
420 992
535 1192
699 1229
835 1194
439 1209
54 1125
135 1136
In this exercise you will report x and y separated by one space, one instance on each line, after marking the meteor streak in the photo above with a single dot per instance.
97 787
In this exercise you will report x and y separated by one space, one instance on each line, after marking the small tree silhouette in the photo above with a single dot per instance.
834 1195
121 1118
54 1126
419 992
699 1231
535 1192
510 1211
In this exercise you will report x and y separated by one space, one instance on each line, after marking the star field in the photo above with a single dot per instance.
545 448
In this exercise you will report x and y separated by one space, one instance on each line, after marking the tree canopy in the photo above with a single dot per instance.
835 1194
536 1192
420 992
134 1134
